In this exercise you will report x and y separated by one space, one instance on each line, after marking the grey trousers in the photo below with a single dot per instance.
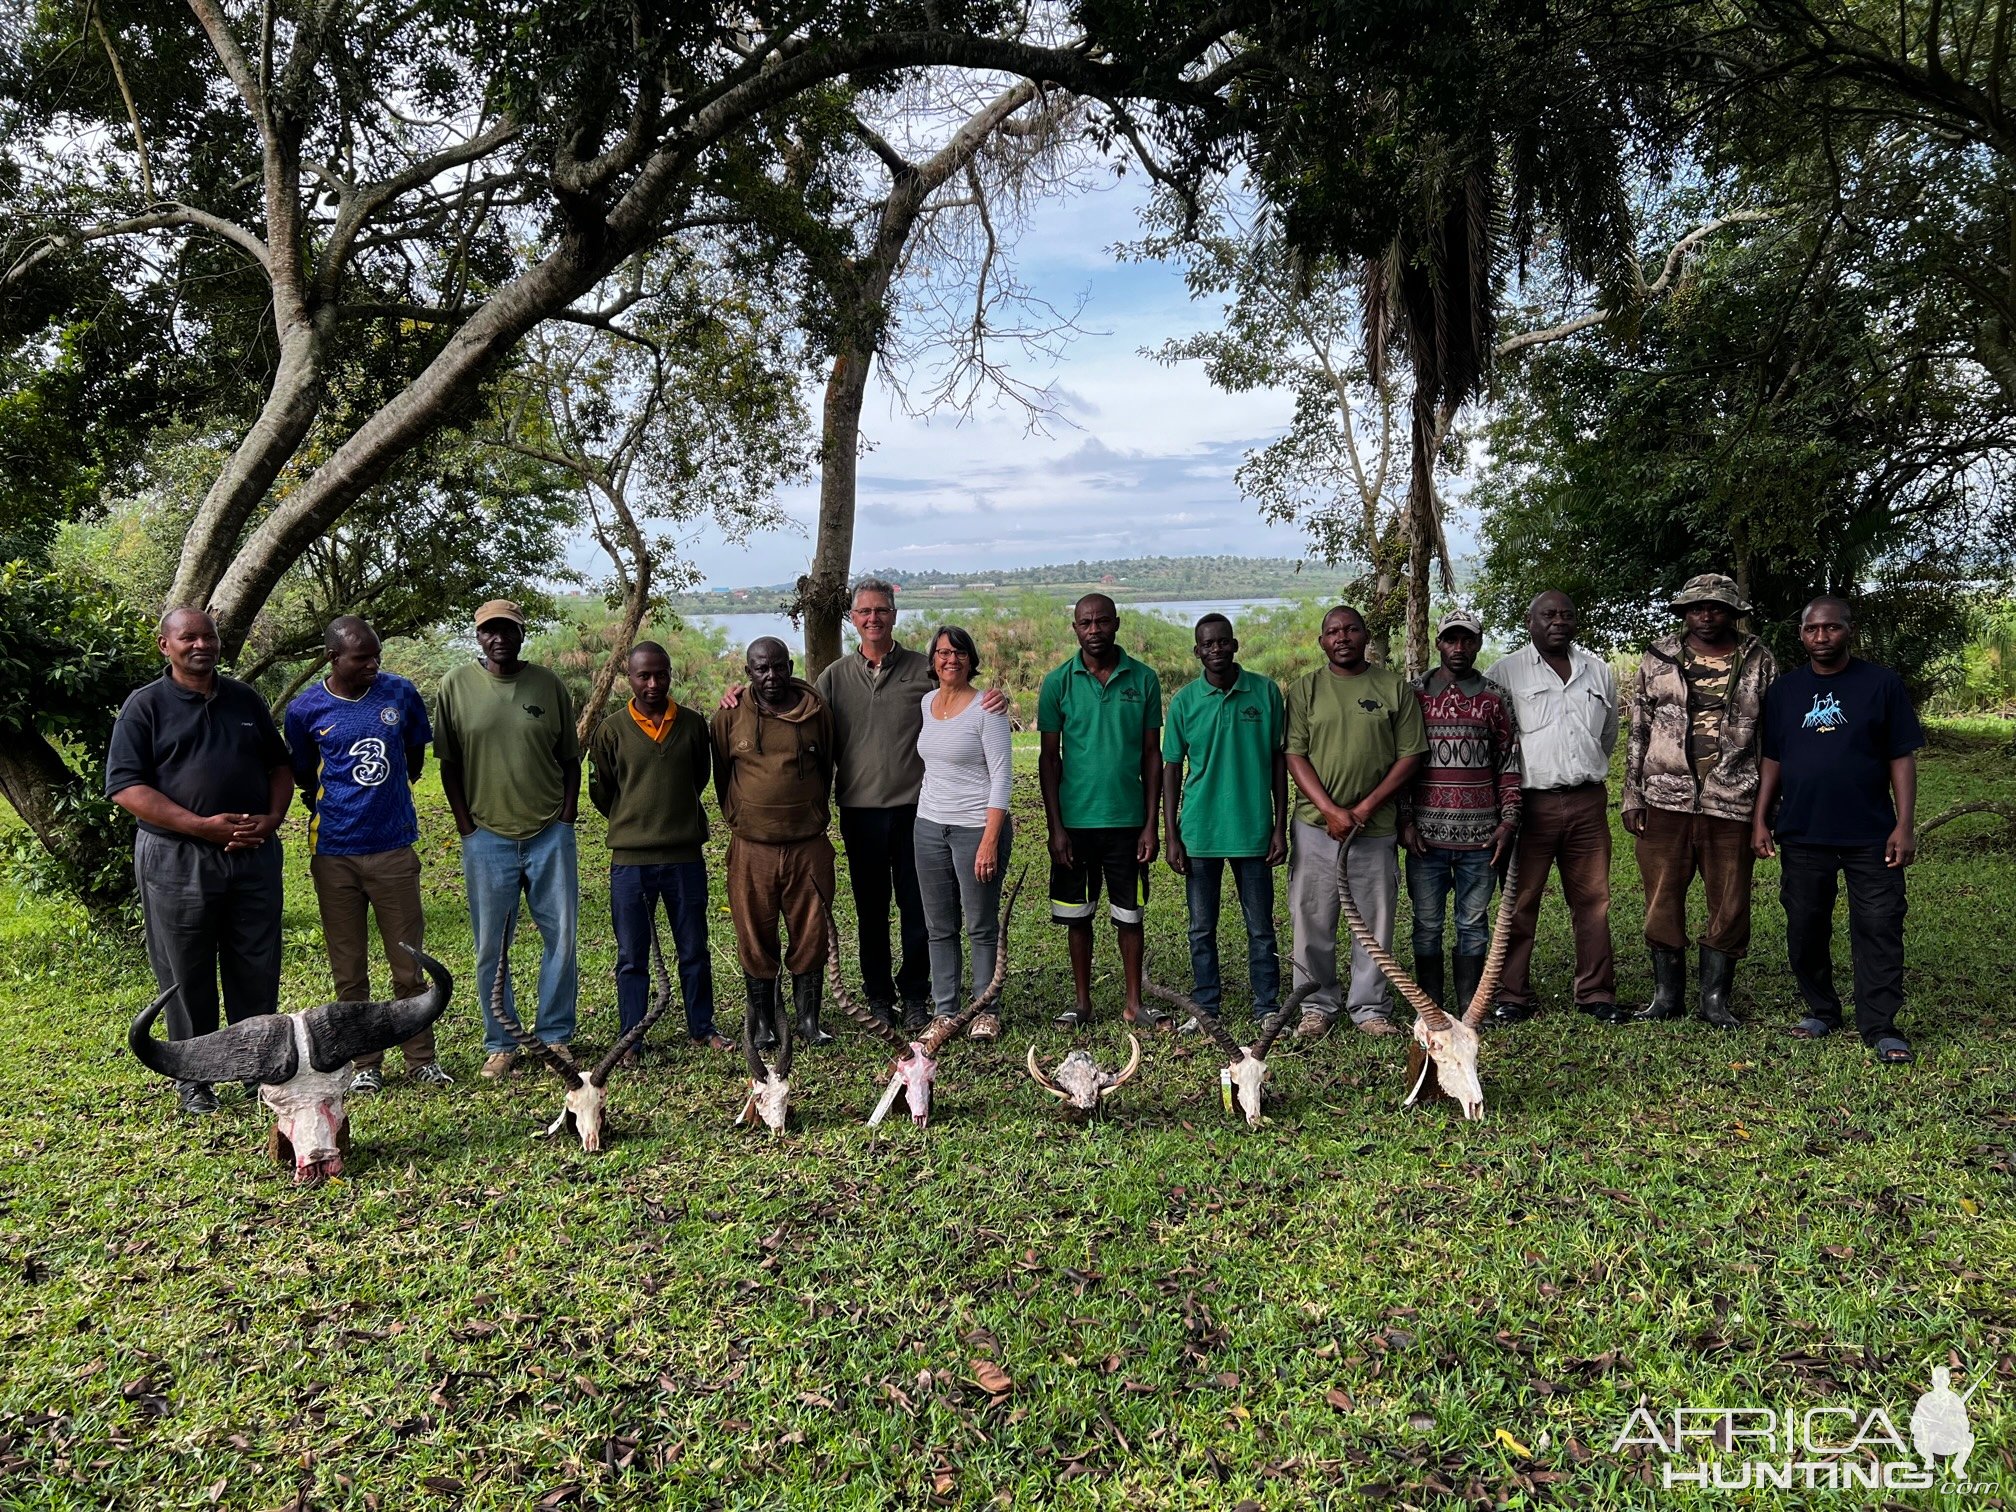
211 914
1314 910
952 896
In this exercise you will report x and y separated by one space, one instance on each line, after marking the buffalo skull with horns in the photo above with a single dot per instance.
1245 1066
585 1108
1080 1085
301 1062
1443 1057
915 1069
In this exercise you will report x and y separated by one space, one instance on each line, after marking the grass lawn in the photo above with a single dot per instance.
1355 1305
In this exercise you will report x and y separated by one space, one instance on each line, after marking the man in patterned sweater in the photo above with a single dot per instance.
1458 817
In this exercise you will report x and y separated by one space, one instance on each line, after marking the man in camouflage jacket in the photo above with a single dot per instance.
1691 769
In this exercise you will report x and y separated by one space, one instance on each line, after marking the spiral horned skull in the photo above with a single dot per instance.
914 1072
1443 1057
1079 1084
301 1061
585 1109
1246 1071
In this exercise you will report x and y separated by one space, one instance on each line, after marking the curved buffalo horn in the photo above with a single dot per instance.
1424 1005
1281 1019
941 1030
531 1044
631 1037
1501 941
1133 1065
1036 1075
340 1032
256 1049
848 1006
1208 1022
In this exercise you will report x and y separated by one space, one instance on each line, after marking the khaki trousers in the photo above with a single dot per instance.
387 883
791 883
1672 850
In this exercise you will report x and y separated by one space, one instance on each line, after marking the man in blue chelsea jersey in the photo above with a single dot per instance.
359 741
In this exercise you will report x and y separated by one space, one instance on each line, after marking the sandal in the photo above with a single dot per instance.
1893 1050
1812 1028
1157 1019
1068 1019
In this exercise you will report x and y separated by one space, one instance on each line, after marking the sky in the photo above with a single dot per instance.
1138 463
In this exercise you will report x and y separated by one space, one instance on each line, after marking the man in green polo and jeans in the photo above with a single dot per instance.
1102 782
1232 810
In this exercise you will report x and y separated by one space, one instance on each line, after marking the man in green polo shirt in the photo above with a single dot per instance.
1232 809
1102 781
1355 739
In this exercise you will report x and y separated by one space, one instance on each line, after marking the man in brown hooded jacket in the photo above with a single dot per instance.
773 772
1691 769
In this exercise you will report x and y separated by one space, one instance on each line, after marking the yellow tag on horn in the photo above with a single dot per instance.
1225 1087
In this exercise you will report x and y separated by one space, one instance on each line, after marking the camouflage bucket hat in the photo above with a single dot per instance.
1710 588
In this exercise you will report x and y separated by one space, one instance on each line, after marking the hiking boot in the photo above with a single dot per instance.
499 1064
563 1052
1428 975
916 1015
1314 1025
1669 987
884 1010
195 1098
370 1079
1718 981
986 1026
1469 972
1378 1023
429 1074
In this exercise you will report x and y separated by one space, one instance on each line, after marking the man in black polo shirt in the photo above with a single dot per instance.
196 759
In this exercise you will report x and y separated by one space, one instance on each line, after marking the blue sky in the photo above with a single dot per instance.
1139 463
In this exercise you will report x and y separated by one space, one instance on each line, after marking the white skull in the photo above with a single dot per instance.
584 1107
770 1099
1249 1076
1452 1049
310 1124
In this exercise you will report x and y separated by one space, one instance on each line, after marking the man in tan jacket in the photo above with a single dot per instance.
1691 769
773 773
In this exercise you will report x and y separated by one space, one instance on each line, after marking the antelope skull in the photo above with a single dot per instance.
1080 1086
1443 1057
769 1098
585 1109
1245 1066
301 1062
914 1072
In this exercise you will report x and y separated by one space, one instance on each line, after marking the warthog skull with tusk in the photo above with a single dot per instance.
1080 1086
915 1069
1443 1057
1245 1066
301 1062
585 1109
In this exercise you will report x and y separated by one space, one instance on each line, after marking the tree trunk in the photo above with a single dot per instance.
822 593
636 599
1420 532
40 785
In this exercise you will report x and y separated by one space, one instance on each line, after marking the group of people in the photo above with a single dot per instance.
1726 760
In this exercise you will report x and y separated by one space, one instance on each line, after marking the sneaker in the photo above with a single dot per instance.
430 1075
367 1080
196 1099
562 1051
499 1064
915 1016
986 1026
1190 1026
630 1058
1379 1023
1314 1025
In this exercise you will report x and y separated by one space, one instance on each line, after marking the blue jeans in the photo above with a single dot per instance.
634 895
495 870
1431 877
1205 886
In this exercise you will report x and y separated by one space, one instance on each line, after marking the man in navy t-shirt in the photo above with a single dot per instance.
1839 743
359 740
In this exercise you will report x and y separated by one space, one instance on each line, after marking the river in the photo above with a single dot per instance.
743 628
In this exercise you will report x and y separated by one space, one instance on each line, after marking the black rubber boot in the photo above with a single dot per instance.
1718 982
1469 971
805 994
761 1022
1669 987
1428 975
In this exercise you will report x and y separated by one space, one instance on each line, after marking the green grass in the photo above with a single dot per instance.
1341 1309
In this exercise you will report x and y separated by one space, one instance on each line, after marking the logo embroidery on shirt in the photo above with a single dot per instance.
388 715
1250 714
372 766
1130 694
534 710
1370 705
1825 715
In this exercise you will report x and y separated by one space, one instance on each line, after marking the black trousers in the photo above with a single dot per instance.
1808 882
211 914
882 864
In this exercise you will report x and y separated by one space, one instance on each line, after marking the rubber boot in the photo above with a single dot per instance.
1718 982
1428 976
762 1020
1669 986
805 992
1469 971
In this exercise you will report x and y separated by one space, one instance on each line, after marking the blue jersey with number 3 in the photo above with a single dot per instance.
350 753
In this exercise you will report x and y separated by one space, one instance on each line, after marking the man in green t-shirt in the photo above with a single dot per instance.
1355 739
1102 782
511 771
1231 810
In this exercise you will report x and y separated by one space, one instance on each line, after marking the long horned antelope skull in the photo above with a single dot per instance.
915 1069
585 1109
1443 1057
1080 1085
1244 1065
301 1062
769 1096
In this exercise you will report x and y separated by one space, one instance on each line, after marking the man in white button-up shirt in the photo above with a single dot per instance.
1566 703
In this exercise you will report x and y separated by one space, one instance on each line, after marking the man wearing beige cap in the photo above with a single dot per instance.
1691 768
511 771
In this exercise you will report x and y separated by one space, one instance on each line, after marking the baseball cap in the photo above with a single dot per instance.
1460 619
498 609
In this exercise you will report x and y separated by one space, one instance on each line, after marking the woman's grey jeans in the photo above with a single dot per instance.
952 896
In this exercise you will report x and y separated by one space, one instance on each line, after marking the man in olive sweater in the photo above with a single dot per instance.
648 765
